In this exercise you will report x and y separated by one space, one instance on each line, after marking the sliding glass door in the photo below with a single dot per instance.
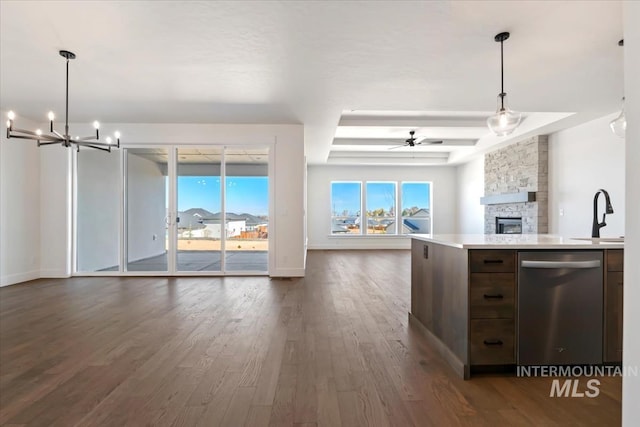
199 230
246 204
147 204
222 210
173 210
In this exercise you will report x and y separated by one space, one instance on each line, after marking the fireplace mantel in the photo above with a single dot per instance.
501 199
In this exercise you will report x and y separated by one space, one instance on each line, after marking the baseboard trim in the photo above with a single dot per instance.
14 279
444 351
54 273
350 246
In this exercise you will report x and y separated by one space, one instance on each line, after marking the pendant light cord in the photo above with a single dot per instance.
502 94
66 112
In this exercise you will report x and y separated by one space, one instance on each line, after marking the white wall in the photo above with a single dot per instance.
470 187
19 207
55 211
582 160
319 204
631 339
98 204
146 208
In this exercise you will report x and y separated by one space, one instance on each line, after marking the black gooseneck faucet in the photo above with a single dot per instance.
595 230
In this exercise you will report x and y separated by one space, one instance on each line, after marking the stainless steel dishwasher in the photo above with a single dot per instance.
560 303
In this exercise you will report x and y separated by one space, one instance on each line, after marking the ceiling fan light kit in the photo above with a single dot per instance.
55 137
505 120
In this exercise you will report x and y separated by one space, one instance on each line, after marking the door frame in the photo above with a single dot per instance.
172 212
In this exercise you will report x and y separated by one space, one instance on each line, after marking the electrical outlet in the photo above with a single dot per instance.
561 212
154 237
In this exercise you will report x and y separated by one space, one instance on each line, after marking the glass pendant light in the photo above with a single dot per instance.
505 120
619 124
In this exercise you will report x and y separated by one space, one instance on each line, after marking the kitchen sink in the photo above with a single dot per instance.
601 239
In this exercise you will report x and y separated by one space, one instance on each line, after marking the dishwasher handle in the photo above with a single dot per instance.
561 264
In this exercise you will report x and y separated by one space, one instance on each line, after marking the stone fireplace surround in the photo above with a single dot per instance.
517 168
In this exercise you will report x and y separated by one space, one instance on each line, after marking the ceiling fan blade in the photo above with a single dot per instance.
398 146
429 142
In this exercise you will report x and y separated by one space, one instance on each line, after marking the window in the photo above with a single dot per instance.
346 202
416 208
381 207
379 201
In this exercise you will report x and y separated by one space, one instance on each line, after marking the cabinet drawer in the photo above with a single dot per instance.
492 342
615 260
492 295
492 261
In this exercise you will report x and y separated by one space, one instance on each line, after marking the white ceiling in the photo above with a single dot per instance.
358 75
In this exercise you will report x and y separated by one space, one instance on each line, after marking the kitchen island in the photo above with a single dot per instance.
464 294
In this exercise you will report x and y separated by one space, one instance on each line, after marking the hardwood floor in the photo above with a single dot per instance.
332 349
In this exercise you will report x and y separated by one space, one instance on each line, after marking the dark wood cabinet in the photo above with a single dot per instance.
492 291
465 301
613 300
492 261
492 342
492 295
421 272
440 297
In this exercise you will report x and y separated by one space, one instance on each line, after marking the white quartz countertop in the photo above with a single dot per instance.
519 241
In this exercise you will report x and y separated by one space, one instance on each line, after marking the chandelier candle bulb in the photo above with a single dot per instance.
51 116
11 115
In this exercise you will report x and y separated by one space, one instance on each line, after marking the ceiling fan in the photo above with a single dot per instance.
411 141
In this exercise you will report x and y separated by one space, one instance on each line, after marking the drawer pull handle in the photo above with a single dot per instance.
497 296
620 283
492 342
493 261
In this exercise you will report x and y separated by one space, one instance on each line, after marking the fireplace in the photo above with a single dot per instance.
513 175
508 225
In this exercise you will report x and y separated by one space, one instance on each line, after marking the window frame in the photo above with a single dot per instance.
363 208
331 212
400 207
395 208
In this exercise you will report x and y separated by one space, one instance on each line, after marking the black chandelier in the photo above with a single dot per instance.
65 139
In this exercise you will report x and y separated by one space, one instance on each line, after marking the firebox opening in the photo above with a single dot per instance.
508 225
